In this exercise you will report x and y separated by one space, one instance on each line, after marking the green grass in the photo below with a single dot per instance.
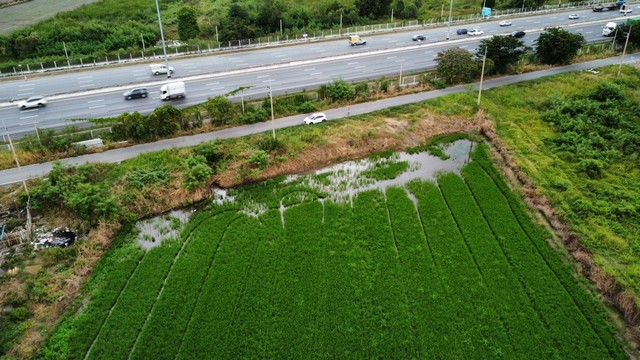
451 268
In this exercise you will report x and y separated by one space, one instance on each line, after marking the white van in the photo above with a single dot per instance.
609 29
157 69
173 90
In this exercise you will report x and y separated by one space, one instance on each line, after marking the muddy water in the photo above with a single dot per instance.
155 230
347 179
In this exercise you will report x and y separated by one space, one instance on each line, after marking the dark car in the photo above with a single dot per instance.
419 38
598 8
136 93
518 34
462 31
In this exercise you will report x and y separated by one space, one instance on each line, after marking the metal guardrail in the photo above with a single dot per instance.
27 68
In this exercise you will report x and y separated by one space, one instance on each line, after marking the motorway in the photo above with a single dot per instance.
98 93
15 175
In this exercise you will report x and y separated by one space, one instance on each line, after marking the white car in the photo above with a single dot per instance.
505 23
315 118
626 10
475 32
574 17
32 102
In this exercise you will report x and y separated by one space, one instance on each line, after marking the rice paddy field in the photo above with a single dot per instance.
398 256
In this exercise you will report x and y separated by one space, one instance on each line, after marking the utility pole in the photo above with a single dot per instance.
65 54
449 25
164 47
484 60
624 50
273 129
340 31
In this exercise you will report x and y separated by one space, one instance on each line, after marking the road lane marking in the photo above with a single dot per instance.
97 106
360 67
352 63
262 76
391 57
217 88
213 83
316 73
93 101
311 69
28 117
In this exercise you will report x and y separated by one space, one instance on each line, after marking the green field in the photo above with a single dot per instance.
421 269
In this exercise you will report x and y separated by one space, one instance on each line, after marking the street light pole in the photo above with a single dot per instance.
449 25
164 48
273 129
15 156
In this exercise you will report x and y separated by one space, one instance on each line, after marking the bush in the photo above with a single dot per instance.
210 151
307 107
196 172
340 90
269 144
259 159
593 168
221 110
254 114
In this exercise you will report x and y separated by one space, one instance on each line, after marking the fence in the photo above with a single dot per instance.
176 49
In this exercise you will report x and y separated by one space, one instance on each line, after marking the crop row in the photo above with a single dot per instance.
122 326
115 274
590 306
162 333
524 328
571 331
477 327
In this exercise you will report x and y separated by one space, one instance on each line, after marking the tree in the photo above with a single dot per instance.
269 15
239 24
456 65
503 50
634 37
488 3
373 8
556 46
188 23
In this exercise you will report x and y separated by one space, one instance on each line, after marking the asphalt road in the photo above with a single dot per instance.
98 93
39 170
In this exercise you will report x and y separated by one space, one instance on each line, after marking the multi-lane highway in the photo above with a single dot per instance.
98 93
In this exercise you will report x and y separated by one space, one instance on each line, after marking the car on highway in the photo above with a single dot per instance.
355 40
505 23
626 11
474 32
136 93
33 102
315 118
418 38
462 31
574 17
518 34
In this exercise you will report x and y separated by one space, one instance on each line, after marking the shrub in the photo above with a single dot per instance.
269 144
340 90
307 107
196 172
259 159
210 151
593 168
221 110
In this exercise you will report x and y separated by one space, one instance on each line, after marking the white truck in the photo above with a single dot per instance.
172 90
609 29
157 69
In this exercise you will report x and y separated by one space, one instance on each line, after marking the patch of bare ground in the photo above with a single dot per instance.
610 290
